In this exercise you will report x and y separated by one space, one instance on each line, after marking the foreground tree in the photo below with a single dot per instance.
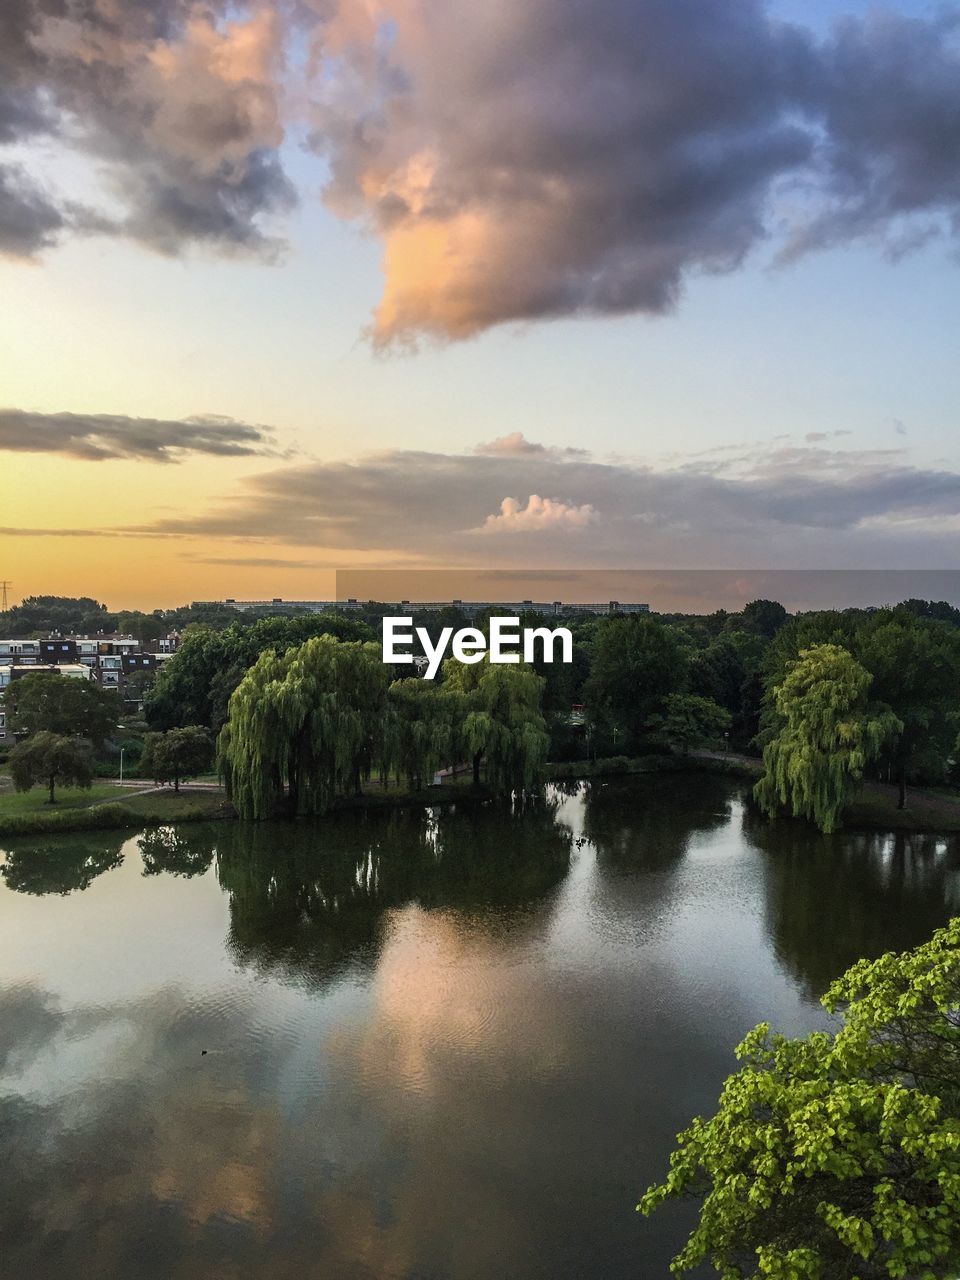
53 759
44 702
177 755
829 733
838 1155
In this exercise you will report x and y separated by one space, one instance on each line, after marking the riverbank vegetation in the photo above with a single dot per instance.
828 702
310 725
106 808
838 1154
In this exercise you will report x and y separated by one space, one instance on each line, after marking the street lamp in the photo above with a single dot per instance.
121 764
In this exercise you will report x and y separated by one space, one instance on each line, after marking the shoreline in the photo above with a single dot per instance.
873 809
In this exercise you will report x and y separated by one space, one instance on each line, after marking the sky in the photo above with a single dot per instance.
303 285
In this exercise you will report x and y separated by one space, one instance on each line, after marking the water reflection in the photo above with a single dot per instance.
317 909
186 851
834 899
633 822
60 866
441 1045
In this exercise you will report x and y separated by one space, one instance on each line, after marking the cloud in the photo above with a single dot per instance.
540 515
787 507
517 162
178 103
517 445
576 157
29 219
514 443
101 437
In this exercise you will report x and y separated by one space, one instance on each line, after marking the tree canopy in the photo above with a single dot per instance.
177 754
308 720
829 733
502 725
62 705
53 759
837 1155
637 661
39 615
316 720
195 685
687 720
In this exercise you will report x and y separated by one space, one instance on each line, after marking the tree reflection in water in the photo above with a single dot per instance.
178 851
831 900
307 899
61 866
643 824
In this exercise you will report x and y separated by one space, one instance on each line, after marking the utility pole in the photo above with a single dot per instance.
3 593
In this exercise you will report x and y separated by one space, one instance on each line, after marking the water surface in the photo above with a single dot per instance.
442 1045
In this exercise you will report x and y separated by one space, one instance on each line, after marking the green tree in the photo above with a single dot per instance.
635 663
39 615
418 733
143 626
62 705
718 672
501 722
764 617
688 720
309 721
196 684
915 664
177 754
53 759
838 1155
829 732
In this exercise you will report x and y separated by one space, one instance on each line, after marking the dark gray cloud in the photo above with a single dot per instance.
99 437
176 102
588 156
886 94
790 507
29 219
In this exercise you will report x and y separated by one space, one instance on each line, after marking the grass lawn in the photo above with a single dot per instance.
928 811
19 802
104 806
169 806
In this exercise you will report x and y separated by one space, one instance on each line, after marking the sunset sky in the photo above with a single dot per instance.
306 284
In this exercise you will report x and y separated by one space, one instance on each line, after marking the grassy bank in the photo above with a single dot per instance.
106 808
875 808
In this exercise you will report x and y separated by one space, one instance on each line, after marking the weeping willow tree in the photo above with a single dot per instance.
419 730
308 722
500 722
829 733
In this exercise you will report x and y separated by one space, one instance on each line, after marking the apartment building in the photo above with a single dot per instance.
114 661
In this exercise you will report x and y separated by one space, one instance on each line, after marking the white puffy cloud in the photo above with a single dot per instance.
540 515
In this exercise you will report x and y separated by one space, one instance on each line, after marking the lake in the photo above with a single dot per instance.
452 1044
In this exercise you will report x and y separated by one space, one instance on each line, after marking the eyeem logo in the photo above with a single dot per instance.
470 644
